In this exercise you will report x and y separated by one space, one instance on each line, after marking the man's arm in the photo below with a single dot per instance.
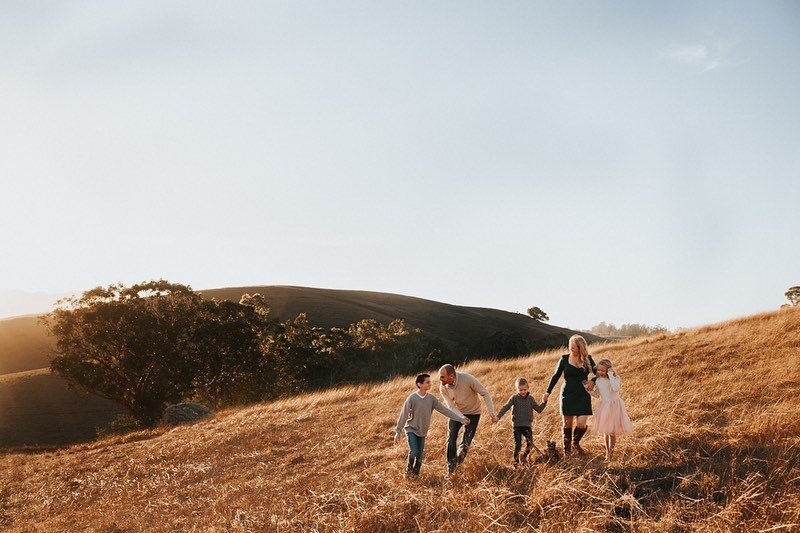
480 389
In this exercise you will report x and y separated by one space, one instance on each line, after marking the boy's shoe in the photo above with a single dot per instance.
524 458
462 454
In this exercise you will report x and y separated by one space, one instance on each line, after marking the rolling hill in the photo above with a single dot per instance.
716 447
38 408
15 302
25 346
455 325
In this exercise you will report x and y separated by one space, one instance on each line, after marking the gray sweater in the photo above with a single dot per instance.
415 416
522 414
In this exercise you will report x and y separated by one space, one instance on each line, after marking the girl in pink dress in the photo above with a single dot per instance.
610 417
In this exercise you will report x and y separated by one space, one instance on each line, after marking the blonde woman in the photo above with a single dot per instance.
576 404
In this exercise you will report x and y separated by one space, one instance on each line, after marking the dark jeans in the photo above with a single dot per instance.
519 432
416 446
453 430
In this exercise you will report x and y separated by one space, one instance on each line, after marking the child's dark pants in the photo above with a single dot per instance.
519 432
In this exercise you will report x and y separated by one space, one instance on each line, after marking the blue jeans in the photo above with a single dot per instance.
416 446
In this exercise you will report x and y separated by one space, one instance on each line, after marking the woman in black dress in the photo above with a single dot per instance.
576 404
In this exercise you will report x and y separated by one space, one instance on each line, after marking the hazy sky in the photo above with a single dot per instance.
622 161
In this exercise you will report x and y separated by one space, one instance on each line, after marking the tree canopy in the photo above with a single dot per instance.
626 330
156 343
537 314
793 295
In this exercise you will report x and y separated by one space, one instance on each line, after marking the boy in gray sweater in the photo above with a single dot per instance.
415 418
523 406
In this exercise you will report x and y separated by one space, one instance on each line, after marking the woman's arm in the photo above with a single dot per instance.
556 375
538 407
592 365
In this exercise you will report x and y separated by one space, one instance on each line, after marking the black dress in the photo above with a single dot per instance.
575 401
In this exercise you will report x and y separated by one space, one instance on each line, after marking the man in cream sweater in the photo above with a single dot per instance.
461 393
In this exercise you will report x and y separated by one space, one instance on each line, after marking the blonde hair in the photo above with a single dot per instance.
520 381
604 362
583 351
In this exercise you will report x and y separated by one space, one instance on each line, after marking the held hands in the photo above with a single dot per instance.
396 439
466 421
495 420
545 396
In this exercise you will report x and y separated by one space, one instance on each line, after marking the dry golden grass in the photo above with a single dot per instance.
715 448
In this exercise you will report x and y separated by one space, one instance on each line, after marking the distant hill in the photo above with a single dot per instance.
24 345
30 400
14 302
37 407
455 325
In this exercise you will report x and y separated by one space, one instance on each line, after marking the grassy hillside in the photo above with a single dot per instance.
37 407
716 448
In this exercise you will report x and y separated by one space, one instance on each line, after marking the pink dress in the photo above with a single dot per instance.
610 416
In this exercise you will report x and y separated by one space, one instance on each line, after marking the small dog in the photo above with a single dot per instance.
551 455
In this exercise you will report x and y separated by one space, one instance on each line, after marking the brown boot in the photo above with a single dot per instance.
576 439
567 441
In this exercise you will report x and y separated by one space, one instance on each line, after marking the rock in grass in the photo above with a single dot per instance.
184 413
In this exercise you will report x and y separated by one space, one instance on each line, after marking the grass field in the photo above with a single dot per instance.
716 447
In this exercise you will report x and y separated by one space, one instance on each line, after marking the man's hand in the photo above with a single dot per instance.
396 439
